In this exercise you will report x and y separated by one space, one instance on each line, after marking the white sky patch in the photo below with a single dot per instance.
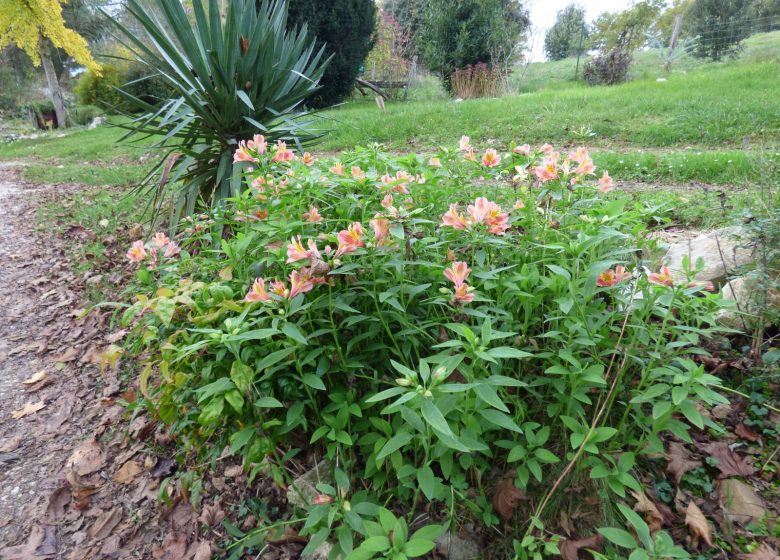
543 17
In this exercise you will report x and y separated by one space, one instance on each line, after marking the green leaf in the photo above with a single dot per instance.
435 418
508 352
618 537
242 375
394 444
376 544
489 395
418 547
429 532
218 387
235 400
268 402
500 419
386 394
427 481
295 333
313 381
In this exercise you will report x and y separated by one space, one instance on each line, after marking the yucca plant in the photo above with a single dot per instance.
234 74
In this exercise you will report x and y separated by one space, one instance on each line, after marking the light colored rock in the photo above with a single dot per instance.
454 547
322 552
734 251
302 490
96 122
741 503
743 291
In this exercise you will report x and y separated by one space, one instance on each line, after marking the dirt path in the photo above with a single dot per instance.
76 479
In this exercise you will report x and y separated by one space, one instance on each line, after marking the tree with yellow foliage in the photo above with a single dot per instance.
36 25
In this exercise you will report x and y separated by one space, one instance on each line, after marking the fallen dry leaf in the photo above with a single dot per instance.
203 551
128 472
506 498
11 444
721 411
105 523
36 377
697 525
680 461
746 433
763 552
173 548
58 500
652 516
729 463
26 410
570 549
42 543
212 515
87 458
741 503
67 356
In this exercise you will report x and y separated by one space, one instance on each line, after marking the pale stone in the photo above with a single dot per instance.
746 303
454 547
722 250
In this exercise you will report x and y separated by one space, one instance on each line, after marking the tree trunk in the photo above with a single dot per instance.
54 85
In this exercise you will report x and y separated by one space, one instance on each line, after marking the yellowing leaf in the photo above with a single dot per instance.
697 524
26 410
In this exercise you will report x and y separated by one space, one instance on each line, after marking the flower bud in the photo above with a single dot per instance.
404 382
427 394
346 506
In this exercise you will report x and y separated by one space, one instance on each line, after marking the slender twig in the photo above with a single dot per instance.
596 418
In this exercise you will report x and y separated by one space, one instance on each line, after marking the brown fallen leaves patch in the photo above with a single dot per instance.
698 525
680 461
11 444
37 381
42 543
26 410
570 549
67 356
746 433
506 497
651 513
105 523
729 463
128 472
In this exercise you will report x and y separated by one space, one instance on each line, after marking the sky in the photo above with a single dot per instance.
543 16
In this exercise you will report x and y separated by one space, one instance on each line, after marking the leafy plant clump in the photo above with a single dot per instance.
451 334
231 76
608 68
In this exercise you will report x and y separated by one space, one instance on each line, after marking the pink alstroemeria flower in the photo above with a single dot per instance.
586 167
282 153
518 205
453 218
322 499
491 158
160 239
524 150
337 169
457 273
301 281
381 227
279 289
257 292
357 173
465 143
463 294
606 184
313 216
579 155
258 144
350 239
171 250
243 154
296 252
546 148
610 277
661 278
434 162
137 251
307 159
548 171
705 285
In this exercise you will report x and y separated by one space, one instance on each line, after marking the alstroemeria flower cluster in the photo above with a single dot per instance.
457 273
482 211
159 245
610 277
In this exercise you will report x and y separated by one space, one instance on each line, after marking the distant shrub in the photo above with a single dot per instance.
100 90
85 114
479 80
141 82
607 68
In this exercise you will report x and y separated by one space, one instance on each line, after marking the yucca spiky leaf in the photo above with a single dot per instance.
235 75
